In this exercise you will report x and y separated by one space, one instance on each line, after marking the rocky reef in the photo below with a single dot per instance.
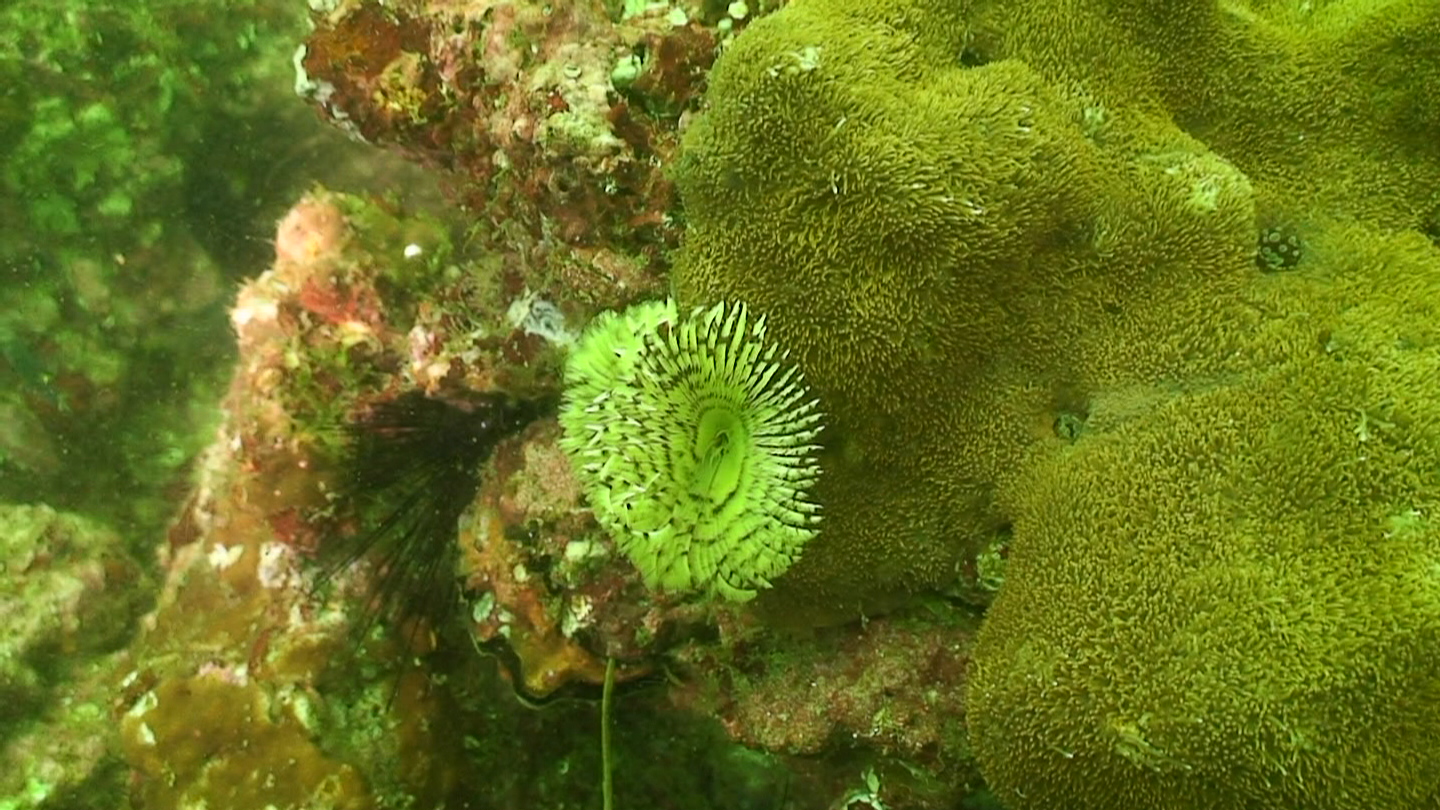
1121 320
261 657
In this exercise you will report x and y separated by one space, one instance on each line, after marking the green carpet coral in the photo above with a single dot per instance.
966 219
954 261
1026 254
695 438
1230 599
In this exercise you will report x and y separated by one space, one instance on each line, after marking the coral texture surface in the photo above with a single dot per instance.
1149 298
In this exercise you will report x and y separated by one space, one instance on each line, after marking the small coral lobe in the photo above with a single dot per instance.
1237 635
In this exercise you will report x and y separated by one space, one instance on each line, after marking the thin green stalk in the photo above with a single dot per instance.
608 789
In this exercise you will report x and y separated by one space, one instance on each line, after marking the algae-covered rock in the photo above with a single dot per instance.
138 152
69 592
70 595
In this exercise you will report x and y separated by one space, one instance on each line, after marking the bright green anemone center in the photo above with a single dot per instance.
719 456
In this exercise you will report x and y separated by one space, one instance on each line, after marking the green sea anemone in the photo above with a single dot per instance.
695 440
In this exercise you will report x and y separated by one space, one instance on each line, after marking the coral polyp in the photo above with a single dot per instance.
696 440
